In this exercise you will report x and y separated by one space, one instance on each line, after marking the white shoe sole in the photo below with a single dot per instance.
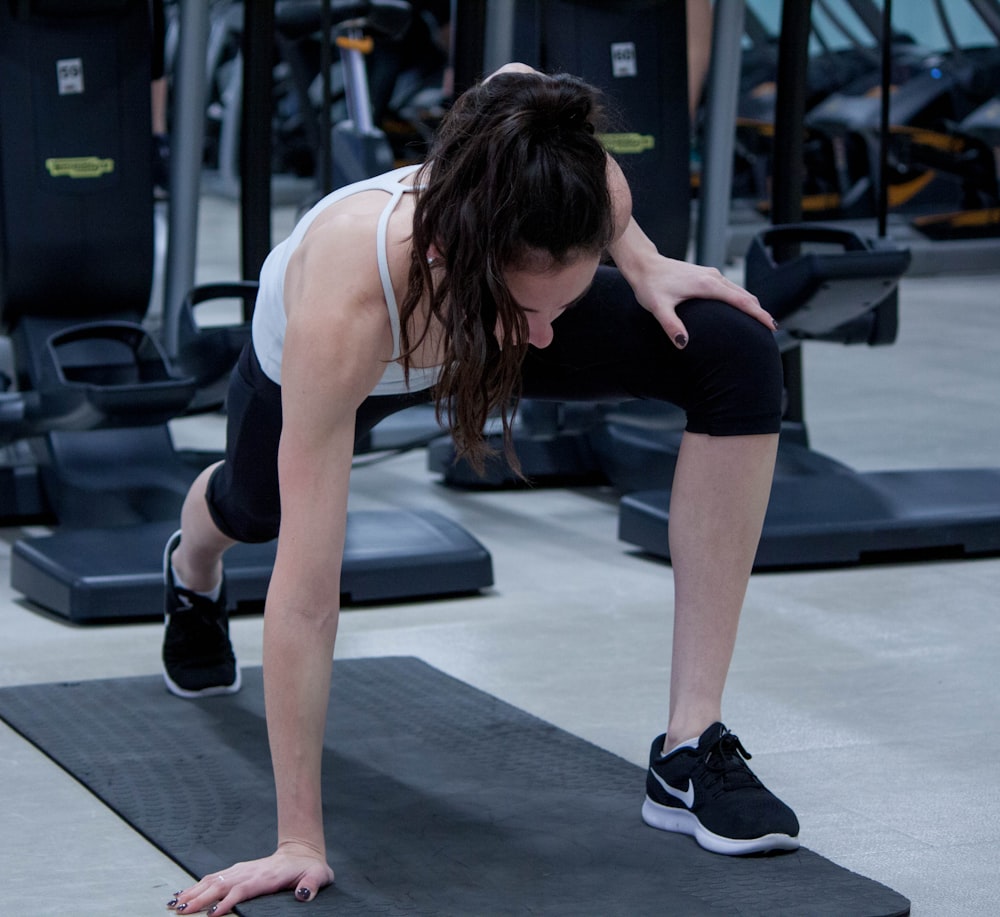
213 691
682 821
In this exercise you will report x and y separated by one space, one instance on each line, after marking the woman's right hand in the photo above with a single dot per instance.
292 866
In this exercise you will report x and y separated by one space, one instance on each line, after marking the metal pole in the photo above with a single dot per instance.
788 170
186 143
790 106
255 138
883 130
359 103
499 45
720 123
324 167
468 34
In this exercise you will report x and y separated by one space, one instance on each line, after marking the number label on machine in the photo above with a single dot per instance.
623 61
69 72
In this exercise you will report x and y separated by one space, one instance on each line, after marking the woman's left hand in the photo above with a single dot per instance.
292 866
660 284
666 283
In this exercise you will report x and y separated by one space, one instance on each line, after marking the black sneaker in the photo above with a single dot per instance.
198 659
706 790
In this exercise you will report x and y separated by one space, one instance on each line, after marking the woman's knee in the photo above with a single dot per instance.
247 516
735 382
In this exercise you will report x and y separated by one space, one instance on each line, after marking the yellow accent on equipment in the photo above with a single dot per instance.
627 144
79 166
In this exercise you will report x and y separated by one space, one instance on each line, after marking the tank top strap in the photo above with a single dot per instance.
381 249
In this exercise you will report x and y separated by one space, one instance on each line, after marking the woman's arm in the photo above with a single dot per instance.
336 343
333 357
660 283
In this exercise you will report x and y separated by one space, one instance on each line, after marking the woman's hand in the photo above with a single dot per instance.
660 284
291 866
661 287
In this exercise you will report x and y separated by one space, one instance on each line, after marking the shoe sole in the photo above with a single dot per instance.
682 821
213 691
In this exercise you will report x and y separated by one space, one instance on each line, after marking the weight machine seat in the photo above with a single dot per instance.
816 294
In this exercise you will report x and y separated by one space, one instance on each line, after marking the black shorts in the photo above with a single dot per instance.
606 348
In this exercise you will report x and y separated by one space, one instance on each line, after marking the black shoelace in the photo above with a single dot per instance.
726 760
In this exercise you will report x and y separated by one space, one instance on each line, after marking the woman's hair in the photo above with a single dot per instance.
516 169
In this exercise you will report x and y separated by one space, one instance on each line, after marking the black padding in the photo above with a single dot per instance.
829 514
71 8
76 211
92 574
636 52
440 800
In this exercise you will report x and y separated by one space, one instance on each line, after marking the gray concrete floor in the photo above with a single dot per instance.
868 696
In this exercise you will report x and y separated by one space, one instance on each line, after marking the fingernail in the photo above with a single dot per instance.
303 894
774 322
181 907
172 902
213 909
681 340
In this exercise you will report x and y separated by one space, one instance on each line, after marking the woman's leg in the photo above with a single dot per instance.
728 380
717 504
197 560
236 499
244 497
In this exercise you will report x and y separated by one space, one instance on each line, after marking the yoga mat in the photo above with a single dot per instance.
440 800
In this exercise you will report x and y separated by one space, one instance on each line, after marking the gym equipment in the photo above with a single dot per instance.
931 90
84 415
822 512
967 153
74 142
942 177
318 101
846 51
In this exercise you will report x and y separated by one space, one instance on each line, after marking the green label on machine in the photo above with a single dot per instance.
627 144
79 166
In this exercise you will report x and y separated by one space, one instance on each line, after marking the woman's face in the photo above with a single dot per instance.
544 293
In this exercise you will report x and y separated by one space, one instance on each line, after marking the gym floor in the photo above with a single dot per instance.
867 695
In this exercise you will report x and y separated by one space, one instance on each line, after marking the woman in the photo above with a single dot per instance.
472 281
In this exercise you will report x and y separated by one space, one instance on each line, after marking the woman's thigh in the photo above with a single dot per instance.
609 348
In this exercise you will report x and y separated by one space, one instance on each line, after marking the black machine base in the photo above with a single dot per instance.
833 518
93 575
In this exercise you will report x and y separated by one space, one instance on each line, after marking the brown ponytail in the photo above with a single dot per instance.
516 168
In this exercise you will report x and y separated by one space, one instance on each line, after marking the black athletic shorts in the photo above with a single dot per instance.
606 348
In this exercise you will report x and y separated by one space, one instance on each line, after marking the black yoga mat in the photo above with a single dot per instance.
440 800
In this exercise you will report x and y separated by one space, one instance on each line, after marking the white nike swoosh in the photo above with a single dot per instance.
687 796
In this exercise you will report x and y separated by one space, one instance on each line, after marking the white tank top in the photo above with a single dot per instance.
270 320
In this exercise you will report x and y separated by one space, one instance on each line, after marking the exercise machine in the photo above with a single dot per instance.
821 511
88 389
323 54
942 177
